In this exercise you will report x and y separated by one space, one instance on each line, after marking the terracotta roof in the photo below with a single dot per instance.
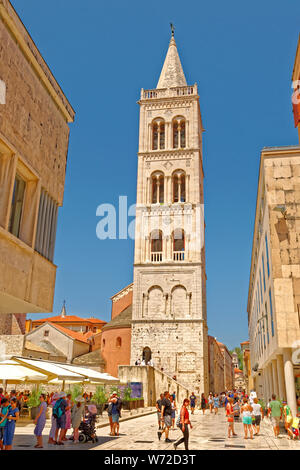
245 342
69 319
72 334
238 371
123 320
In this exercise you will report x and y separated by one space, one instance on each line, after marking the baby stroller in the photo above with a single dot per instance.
88 426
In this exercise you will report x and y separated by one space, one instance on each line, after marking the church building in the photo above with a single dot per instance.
169 323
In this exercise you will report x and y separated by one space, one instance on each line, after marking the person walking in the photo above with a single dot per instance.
257 414
3 418
288 419
68 415
246 412
193 400
77 414
109 410
158 407
203 403
184 425
174 408
210 402
230 417
166 417
116 413
59 412
40 422
9 430
275 411
54 399
216 403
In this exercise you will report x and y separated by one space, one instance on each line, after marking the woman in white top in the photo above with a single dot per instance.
257 414
246 411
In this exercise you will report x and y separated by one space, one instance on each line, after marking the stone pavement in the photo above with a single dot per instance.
209 433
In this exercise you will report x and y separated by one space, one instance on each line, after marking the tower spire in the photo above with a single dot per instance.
63 312
172 74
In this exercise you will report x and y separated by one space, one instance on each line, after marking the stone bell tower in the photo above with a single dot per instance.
169 293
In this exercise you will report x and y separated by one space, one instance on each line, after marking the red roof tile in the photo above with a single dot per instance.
73 334
69 319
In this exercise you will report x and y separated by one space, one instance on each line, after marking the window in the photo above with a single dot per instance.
263 266
17 206
179 187
261 292
46 227
119 342
271 312
156 245
178 245
158 134
267 254
46 333
103 343
158 188
179 139
267 322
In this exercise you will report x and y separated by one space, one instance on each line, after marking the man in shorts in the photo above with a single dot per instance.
60 416
166 416
275 410
158 407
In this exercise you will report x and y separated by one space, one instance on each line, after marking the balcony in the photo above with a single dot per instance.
178 256
156 257
169 92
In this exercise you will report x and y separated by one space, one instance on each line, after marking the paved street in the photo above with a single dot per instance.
209 432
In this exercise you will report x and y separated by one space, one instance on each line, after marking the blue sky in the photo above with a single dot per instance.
241 54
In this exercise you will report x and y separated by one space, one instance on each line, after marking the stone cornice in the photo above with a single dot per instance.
165 320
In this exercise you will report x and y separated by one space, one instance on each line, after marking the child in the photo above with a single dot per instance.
295 428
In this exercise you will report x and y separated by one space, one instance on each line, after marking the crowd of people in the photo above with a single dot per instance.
238 406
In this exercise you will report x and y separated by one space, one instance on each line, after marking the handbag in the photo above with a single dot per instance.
178 424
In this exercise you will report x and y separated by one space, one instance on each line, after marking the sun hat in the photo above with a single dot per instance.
62 394
92 409
79 399
55 396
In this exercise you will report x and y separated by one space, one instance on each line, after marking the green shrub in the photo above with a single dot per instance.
100 396
127 394
76 391
34 399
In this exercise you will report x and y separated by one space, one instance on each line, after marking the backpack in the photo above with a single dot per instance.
178 424
57 409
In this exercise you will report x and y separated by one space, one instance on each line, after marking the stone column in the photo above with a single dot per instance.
275 377
290 380
280 374
270 382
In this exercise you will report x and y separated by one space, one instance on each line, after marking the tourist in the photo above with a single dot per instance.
288 419
203 403
54 399
275 411
210 402
230 417
193 400
166 417
68 415
158 407
59 412
77 414
3 418
138 362
143 363
1 394
295 427
40 422
257 414
10 426
246 411
216 403
184 425
173 415
116 413
109 410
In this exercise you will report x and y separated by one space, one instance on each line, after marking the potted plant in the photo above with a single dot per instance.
34 402
76 391
127 401
100 398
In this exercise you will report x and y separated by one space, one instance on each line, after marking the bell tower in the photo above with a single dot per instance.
169 293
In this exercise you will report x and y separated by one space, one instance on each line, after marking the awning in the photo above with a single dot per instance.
51 369
12 372
92 376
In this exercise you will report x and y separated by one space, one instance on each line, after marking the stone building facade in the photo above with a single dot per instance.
228 367
274 287
169 290
34 137
215 366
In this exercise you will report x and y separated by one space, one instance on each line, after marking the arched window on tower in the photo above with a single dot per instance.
158 134
178 179
156 246
178 245
179 137
118 342
158 188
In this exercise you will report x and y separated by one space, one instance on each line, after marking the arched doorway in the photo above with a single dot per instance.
147 355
